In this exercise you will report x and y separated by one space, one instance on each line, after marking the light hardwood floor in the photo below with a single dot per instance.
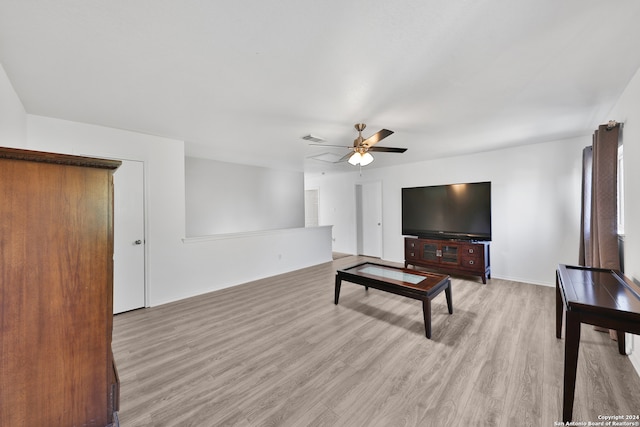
278 352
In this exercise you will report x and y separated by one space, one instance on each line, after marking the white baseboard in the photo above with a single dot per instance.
632 351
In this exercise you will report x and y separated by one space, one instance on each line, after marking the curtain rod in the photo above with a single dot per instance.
612 123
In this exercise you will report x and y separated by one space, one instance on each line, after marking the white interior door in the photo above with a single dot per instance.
371 219
128 237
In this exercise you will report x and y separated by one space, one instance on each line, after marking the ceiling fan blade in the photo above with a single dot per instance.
345 157
375 138
329 145
388 149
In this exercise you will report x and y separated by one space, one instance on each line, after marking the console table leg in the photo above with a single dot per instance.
571 347
559 311
426 309
337 291
447 292
621 343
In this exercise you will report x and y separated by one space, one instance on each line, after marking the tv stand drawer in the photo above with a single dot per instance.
471 262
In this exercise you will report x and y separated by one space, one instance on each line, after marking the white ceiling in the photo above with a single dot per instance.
245 80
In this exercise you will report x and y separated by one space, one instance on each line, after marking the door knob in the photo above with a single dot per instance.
138 242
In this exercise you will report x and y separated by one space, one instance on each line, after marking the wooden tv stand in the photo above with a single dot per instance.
449 256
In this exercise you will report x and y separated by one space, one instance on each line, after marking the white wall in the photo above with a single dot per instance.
13 118
164 187
242 257
337 207
226 197
627 111
535 204
176 269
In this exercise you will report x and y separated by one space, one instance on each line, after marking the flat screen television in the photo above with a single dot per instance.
455 211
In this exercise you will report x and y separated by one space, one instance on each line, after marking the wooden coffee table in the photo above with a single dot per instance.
414 284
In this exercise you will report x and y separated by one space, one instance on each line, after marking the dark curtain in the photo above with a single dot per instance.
599 222
585 217
599 244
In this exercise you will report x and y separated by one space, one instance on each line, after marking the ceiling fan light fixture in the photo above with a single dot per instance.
355 158
365 159
361 147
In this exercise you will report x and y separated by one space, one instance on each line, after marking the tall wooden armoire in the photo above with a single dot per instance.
56 290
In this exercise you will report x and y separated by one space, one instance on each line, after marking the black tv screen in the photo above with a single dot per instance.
456 211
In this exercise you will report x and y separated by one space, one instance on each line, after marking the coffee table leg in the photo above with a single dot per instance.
338 283
447 292
426 309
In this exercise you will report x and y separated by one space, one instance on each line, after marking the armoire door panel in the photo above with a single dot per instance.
56 285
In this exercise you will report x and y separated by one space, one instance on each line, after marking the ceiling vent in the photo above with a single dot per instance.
313 138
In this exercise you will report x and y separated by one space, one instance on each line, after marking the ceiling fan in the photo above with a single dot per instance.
359 152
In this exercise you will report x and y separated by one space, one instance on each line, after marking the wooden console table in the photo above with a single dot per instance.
595 296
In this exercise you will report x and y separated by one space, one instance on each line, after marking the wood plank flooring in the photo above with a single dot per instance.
278 352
